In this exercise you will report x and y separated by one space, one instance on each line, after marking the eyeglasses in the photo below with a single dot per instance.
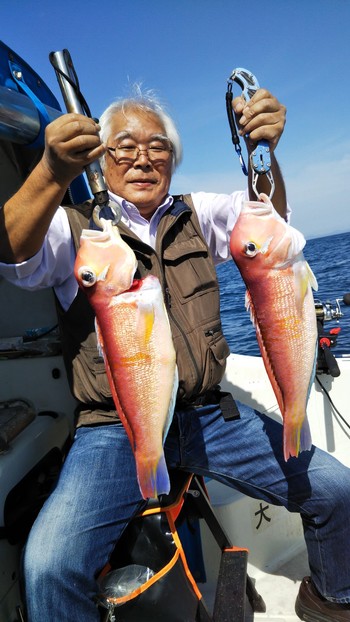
130 153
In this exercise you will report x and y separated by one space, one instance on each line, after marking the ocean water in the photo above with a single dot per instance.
329 258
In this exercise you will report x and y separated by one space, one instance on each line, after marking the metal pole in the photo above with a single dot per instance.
62 62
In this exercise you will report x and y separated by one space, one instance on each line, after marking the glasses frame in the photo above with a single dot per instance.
130 160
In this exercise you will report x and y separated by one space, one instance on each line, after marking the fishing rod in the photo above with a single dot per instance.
75 102
260 158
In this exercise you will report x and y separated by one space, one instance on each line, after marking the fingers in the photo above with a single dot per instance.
72 142
73 134
262 117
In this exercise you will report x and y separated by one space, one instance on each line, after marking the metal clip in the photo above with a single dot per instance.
255 178
246 80
260 158
115 209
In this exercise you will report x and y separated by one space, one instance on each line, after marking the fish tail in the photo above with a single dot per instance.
153 478
296 438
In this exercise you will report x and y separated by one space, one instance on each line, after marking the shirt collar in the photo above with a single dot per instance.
130 212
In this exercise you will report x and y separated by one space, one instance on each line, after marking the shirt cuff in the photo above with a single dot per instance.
23 270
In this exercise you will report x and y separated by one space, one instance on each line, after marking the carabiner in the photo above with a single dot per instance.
260 158
115 209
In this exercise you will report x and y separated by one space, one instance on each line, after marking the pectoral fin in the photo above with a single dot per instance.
303 279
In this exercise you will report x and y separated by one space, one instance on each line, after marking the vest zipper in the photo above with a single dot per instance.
168 306
158 252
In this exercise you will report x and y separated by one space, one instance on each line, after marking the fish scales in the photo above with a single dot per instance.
138 359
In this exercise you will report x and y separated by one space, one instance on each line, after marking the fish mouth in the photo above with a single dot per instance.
93 234
257 208
261 207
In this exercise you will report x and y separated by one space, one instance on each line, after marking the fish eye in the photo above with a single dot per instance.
87 276
251 249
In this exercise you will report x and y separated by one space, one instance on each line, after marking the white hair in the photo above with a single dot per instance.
146 103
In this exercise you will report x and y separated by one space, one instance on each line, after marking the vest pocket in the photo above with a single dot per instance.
203 365
99 372
197 274
216 355
91 381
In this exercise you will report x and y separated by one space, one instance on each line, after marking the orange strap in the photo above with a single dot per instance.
175 507
183 556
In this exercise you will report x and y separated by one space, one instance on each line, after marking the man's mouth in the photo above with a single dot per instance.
143 182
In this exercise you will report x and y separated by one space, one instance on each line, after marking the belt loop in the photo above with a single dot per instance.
229 407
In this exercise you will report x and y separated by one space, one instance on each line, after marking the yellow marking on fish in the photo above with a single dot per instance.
145 322
135 359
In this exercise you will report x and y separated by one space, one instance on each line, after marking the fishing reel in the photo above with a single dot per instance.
326 311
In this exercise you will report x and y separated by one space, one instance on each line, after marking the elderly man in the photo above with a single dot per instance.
97 492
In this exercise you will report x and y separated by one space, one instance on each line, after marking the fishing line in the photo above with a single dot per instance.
332 403
73 82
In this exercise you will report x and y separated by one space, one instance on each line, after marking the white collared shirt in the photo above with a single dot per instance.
53 265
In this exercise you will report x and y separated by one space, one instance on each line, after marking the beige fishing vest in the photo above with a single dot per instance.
183 264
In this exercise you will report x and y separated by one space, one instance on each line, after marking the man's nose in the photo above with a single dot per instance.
142 158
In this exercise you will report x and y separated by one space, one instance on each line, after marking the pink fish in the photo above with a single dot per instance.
135 337
268 254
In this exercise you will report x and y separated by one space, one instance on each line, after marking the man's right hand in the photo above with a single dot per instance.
71 142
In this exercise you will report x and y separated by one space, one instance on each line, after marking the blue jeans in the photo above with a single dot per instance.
97 494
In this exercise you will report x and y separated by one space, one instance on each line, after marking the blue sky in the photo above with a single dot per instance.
185 51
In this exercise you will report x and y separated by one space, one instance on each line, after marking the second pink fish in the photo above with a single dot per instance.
268 254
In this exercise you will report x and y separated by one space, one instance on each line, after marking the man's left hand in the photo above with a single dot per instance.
262 118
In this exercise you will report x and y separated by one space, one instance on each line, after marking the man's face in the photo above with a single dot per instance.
142 181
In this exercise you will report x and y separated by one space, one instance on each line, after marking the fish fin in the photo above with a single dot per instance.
296 438
162 478
312 278
103 274
99 338
303 279
313 372
250 307
171 404
153 478
299 439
